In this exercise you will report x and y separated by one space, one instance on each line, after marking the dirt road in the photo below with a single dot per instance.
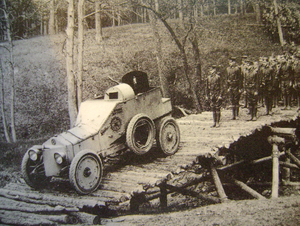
281 211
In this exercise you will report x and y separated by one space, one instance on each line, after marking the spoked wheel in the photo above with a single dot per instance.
86 172
168 136
34 172
140 134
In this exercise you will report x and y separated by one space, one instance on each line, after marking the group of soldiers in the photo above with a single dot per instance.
268 80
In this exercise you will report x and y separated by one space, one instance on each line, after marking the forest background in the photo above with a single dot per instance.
57 53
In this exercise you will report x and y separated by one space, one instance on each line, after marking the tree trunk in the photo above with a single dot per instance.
160 63
242 7
72 100
41 25
45 28
80 51
113 17
229 7
257 13
52 18
180 6
282 42
4 123
12 75
98 27
214 5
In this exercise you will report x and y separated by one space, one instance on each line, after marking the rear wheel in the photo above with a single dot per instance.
140 134
86 172
168 136
34 172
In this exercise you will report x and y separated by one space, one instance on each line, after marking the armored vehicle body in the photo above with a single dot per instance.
131 115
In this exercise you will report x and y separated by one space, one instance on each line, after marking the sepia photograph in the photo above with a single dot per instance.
150 112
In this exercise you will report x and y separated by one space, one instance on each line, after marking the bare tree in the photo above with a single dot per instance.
4 122
160 63
72 99
80 50
52 18
181 44
282 42
98 25
11 74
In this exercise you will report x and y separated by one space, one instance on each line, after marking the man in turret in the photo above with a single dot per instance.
235 85
214 94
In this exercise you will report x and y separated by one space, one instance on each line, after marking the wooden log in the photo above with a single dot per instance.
286 170
229 166
288 165
9 204
79 202
249 190
283 131
86 218
292 157
218 183
184 191
21 218
264 159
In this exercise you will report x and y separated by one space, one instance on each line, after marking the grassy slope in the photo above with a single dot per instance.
40 69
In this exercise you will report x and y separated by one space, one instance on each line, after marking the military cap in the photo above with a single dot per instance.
233 58
244 57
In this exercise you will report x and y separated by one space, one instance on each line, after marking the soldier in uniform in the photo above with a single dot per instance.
245 67
251 89
235 85
296 71
267 85
214 94
287 79
261 68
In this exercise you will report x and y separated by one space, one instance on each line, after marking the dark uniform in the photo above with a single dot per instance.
277 79
252 88
296 71
267 85
235 85
214 94
245 67
261 68
287 79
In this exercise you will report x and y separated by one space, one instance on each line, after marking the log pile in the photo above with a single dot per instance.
21 206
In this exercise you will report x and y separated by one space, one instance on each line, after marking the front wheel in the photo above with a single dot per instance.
168 136
86 172
34 171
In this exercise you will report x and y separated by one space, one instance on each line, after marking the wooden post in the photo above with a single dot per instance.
218 183
274 141
163 196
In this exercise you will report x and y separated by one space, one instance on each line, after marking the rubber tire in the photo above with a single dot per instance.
168 143
131 139
74 172
35 181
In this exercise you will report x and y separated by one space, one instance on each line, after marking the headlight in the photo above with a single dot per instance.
59 158
33 155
